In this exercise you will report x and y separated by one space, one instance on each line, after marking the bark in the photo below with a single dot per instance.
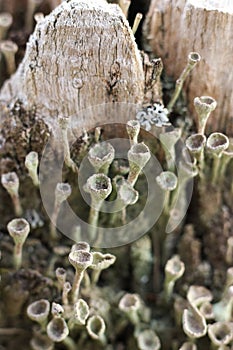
175 28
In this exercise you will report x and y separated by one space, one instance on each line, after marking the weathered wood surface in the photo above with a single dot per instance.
82 54
176 27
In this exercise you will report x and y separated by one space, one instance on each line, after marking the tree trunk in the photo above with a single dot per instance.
175 28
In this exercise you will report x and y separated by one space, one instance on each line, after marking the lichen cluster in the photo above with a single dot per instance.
172 288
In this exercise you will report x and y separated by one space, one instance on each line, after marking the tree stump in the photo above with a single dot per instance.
82 54
175 28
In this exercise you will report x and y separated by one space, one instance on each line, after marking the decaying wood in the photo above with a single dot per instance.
176 27
82 54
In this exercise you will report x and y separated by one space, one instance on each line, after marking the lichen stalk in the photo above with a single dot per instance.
204 105
94 216
9 49
136 23
124 5
31 163
17 205
18 251
69 343
80 260
65 293
216 169
6 20
99 187
195 144
133 129
62 192
31 8
193 59
10 182
64 124
76 284
138 156
101 156
18 230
